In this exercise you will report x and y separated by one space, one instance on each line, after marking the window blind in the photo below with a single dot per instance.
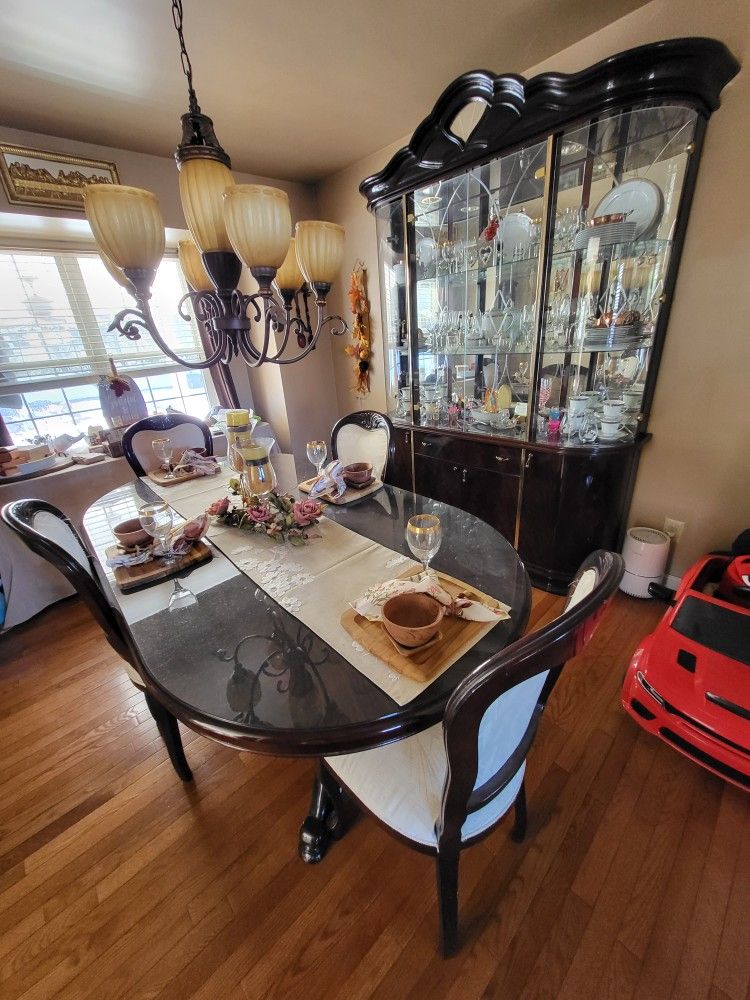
55 308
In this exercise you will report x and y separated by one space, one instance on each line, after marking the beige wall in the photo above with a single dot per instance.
697 467
297 399
156 173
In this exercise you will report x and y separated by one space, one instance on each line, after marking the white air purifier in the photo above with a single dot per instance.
645 552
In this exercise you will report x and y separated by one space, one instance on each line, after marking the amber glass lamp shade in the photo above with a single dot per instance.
320 250
192 267
116 272
259 222
126 223
202 187
289 278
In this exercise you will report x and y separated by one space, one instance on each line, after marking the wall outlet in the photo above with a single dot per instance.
674 528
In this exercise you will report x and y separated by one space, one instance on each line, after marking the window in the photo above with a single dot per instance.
55 309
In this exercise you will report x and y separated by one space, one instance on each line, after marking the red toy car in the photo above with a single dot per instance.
689 680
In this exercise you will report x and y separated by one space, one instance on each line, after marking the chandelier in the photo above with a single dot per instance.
231 225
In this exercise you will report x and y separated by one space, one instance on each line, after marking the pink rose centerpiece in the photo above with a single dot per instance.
277 515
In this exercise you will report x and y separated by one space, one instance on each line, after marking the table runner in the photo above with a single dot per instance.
314 582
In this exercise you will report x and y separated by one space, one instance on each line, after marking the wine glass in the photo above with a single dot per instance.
181 597
316 453
157 520
424 533
162 448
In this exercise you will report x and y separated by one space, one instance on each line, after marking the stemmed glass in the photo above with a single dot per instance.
181 597
157 520
316 453
162 448
424 533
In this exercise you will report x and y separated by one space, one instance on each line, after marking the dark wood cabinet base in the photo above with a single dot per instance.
555 505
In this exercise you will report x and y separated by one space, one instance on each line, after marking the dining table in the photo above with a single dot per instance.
260 661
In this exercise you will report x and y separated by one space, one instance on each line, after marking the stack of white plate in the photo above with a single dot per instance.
608 234
612 338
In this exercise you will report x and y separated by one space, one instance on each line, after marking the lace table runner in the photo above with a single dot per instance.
314 582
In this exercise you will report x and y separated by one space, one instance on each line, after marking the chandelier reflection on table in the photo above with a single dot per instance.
231 225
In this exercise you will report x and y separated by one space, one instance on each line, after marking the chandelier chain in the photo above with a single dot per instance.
187 67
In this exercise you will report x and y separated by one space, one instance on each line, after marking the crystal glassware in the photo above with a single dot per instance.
424 533
157 519
316 454
162 448
181 597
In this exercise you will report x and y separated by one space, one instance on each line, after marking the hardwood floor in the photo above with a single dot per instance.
118 881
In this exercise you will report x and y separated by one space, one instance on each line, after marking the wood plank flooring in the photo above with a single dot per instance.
118 881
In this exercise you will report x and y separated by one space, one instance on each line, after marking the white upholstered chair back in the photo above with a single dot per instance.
59 532
355 444
181 436
507 718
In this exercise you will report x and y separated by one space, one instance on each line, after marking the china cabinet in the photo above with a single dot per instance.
529 236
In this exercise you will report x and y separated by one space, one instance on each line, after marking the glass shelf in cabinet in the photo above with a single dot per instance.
644 344
632 250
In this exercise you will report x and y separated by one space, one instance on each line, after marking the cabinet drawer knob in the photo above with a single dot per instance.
502 458
529 458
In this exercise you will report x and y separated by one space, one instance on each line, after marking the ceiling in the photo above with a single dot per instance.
296 89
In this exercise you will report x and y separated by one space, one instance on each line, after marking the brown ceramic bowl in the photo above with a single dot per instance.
358 474
129 533
412 619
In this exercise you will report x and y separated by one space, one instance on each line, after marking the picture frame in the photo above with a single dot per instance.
54 180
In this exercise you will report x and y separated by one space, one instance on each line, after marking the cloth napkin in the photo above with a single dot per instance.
370 604
331 481
203 465
130 558
179 542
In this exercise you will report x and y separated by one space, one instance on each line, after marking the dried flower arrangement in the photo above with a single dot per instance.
359 351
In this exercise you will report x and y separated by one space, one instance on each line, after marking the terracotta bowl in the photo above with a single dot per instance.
129 533
412 619
359 473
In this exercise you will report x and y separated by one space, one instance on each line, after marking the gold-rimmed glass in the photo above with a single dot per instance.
316 453
157 519
424 533
162 448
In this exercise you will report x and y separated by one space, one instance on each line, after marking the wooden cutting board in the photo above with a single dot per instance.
426 662
158 476
348 497
135 577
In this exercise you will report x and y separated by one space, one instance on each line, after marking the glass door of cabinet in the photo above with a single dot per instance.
475 265
391 236
619 188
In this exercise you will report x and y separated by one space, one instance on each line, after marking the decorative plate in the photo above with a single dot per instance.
639 200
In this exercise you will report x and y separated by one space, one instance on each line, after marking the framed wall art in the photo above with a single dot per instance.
55 180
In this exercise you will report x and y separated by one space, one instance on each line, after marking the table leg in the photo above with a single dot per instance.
325 821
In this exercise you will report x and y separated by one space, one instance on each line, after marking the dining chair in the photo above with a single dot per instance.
364 436
49 534
184 432
448 786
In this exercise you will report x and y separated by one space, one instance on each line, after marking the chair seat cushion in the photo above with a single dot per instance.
402 785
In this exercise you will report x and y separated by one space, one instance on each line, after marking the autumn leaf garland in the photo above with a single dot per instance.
359 350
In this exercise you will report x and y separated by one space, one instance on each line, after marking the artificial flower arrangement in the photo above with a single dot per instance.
277 515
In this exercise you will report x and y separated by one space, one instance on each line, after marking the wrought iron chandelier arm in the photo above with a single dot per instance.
131 321
336 326
252 355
